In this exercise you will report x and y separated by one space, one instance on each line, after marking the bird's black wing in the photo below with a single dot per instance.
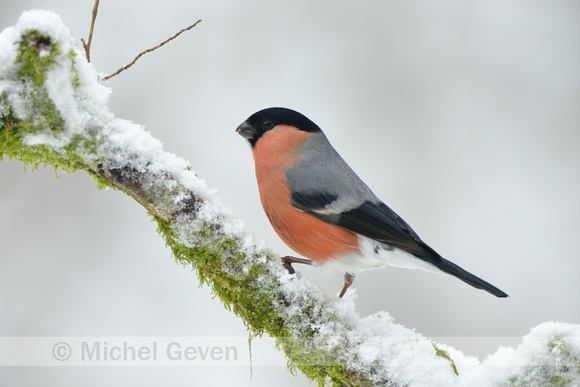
373 220
377 221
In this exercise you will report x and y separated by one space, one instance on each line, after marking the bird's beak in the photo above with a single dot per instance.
246 130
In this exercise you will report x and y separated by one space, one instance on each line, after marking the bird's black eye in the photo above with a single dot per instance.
267 124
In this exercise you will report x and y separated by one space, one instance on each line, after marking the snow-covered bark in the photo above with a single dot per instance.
53 111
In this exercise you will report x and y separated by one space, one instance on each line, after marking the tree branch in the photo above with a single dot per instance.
87 46
150 50
322 337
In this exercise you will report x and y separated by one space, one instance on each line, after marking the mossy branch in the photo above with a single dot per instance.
245 279
53 112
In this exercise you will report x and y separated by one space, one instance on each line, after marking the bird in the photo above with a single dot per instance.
323 211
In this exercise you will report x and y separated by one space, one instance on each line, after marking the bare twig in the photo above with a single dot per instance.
149 50
87 46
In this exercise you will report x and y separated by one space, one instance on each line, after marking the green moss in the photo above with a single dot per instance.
445 355
238 291
244 293
557 381
37 54
72 57
11 145
67 159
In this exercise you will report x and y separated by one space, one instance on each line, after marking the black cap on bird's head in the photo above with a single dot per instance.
259 123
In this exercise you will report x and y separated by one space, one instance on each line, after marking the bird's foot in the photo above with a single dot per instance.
288 260
348 280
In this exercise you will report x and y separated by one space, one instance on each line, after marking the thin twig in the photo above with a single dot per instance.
87 46
149 50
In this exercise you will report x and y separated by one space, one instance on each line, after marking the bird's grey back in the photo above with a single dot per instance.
322 170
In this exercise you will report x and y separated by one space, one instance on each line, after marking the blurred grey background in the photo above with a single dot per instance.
462 116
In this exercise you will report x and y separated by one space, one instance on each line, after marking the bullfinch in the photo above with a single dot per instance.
323 211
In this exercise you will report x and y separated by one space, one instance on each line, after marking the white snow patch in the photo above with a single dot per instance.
542 352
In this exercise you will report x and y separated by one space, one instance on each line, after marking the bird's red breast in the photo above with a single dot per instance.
277 151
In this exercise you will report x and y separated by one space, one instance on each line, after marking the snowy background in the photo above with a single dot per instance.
463 117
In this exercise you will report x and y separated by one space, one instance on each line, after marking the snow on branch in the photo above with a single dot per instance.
53 111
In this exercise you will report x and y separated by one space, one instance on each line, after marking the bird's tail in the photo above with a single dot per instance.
456 271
